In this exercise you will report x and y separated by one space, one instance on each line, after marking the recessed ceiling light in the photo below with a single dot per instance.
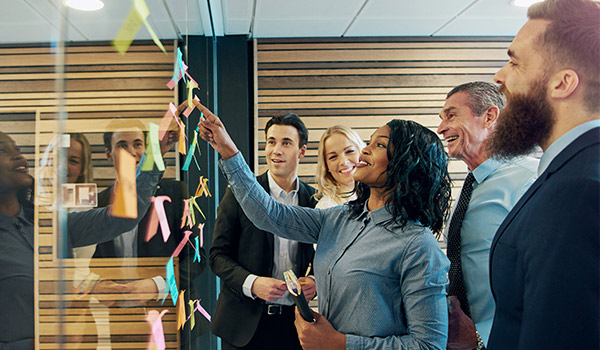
85 5
523 3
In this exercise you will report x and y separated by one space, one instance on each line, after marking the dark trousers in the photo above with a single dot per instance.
275 332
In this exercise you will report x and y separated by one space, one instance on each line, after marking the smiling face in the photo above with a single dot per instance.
341 157
131 141
14 173
283 152
373 161
465 132
74 161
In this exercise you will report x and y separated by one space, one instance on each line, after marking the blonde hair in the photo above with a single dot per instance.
87 173
326 184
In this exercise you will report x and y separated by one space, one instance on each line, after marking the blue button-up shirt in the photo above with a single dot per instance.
497 188
384 288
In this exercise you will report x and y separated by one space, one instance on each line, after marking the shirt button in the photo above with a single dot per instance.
328 271
363 226
345 247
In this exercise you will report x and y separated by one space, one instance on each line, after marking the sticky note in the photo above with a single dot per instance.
197 255
166 122
128 30
125 194
190 153
182 148
191 317
185 239
191 85
162 216
186 217
203 188
202 311
153 155
157 338
152 226
181 310
189 109
172 282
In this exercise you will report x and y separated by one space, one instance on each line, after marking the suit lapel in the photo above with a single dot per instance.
587 139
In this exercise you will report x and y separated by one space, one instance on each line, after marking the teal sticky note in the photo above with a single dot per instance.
172 282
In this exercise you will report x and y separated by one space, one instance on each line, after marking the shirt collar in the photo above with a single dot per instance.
562 142
6 220
276 190
485 169
379 215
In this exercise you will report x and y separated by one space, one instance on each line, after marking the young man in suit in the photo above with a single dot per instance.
133 243
544 260
254 309
468 118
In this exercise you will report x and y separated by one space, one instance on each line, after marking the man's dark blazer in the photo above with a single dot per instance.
544 259
240 249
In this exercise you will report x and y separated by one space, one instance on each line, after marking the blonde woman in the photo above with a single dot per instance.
79 160
339 149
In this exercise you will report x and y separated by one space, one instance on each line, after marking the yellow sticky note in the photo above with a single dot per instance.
182 148
129 29
192 318
191 85
181 310
153 154
144 12
125 194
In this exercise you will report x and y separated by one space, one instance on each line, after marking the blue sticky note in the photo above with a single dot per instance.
172 282
197 255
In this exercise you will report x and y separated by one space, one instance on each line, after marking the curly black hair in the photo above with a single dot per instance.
417 178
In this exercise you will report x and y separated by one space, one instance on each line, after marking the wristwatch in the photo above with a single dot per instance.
480 345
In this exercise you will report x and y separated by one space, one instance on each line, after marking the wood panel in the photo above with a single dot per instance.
100 85
366 82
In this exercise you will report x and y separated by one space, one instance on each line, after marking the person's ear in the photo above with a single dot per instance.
108 154
563 83
491 115
302 152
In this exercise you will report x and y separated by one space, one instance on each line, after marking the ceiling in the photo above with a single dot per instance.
27 21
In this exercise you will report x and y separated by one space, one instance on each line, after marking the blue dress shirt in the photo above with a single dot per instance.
497 188
562 142
383 288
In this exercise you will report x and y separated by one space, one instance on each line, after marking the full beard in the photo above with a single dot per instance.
523 124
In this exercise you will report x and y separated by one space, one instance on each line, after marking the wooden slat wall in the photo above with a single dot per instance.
366 82
100 85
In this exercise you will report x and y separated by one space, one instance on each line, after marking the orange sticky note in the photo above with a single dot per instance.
181 310
182 148
125 194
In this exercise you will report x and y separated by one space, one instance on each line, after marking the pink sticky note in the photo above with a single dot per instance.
186 213
201 227
152 226
166 121
182 243
162 217
189 110
171 84
202 311
157 338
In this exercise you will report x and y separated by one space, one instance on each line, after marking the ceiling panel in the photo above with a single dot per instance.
25 21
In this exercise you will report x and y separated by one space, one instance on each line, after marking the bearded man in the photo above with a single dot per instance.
544 260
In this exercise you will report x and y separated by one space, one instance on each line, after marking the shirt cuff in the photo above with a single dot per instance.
247 286
161 286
